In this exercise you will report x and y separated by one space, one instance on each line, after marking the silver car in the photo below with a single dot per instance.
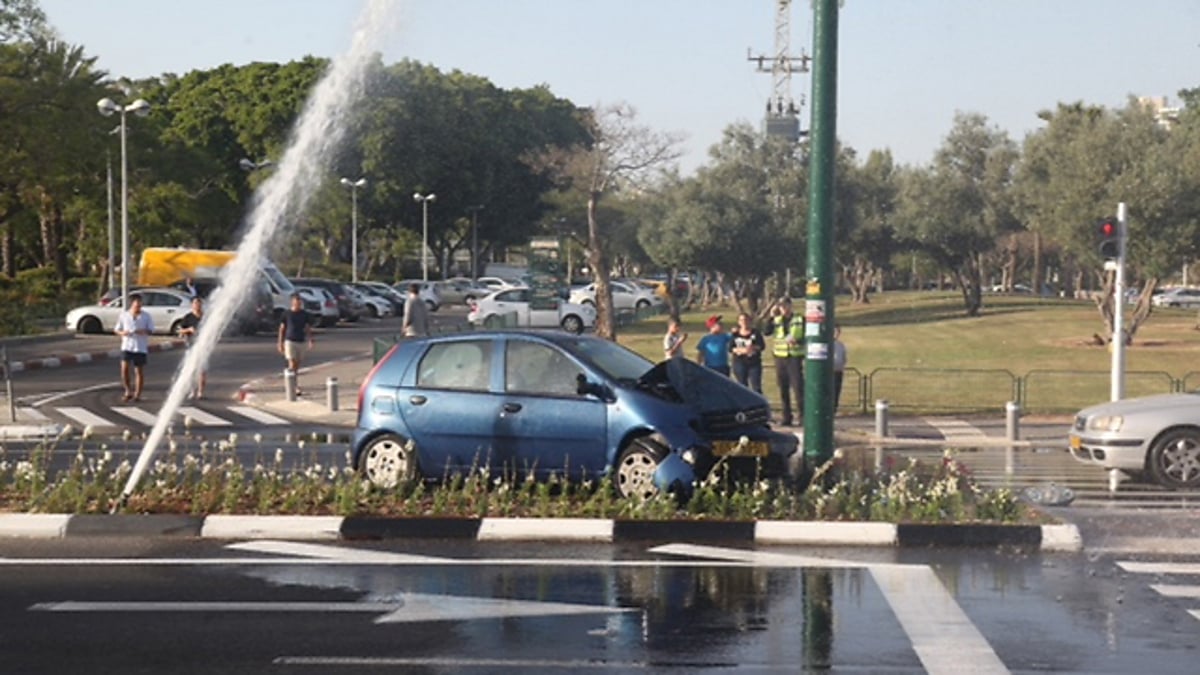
1155 436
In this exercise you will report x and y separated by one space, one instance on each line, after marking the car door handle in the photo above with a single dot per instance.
512 407
417 400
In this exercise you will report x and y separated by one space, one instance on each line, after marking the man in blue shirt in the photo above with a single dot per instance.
714 348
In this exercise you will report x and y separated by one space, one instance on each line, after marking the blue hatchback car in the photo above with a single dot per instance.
576 406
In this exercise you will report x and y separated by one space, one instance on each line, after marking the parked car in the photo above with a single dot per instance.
165 306
1153 436
625 296
348 308
542 403
376 307
494 284
490 311
460 291
428 292
321 307
382 290
1177 297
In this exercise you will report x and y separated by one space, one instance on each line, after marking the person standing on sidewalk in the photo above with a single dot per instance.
134 326
839 365
673 340
747 348
787 345
188 327
713 349
416 314
295 330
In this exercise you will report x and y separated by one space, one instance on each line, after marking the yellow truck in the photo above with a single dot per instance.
166 266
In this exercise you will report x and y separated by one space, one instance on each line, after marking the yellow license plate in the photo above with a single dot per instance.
738 449
1076 442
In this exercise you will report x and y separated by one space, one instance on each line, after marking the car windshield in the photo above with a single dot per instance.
612 359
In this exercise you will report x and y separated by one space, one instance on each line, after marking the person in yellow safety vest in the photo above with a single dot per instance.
788 349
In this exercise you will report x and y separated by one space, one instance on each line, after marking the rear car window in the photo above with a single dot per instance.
456 365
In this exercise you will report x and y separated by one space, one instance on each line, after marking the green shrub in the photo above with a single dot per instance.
39 284
83 289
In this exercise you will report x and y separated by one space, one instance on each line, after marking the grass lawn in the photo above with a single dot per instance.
921 352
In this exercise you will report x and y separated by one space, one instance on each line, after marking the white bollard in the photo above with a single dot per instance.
331 393
289 384
881 418
1012 420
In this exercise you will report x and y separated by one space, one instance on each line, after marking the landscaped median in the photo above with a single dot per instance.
208 492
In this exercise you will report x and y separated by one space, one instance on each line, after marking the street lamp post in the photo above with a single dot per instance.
475 239
424 199
354 185
112 271
141 108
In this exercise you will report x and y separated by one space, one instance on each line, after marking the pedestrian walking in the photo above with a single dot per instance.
713 348
189 327
787 347
134 326
839 365
673 340
295 331
747 348
416 314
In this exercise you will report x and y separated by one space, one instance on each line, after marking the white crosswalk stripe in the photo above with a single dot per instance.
202 418
260 416
135 416
1185 591
954 429
85 417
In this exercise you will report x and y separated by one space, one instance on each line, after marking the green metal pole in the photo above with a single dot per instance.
818 297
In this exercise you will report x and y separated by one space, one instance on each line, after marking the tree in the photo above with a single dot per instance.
617 154
866 201
954 209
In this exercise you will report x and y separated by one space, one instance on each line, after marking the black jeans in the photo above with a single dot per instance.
748 374
789 375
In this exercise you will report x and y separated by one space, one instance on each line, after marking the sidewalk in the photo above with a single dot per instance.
59 357
313 405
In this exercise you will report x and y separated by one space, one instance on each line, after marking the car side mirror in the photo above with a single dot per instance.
584 387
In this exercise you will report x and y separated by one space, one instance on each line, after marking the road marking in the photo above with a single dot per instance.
952 428
203 418
61 395
1158 567
85 417
1176 591
941 634
137 414
78 606
257 415
316 562
31 414
421 607
456 663
1195 613
326 552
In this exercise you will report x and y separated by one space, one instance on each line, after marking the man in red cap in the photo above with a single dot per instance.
714 348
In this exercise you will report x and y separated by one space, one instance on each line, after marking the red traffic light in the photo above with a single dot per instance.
1110 238
1108 229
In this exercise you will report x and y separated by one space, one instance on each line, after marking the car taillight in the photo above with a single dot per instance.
362 388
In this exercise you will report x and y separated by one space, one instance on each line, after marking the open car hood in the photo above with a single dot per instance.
701 389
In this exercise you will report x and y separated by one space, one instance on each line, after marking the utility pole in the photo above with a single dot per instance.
819 296
782 117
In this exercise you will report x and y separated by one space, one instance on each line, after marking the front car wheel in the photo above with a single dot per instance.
1174 459
636 465
572 324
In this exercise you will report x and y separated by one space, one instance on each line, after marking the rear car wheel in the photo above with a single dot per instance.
572 324
635 469
388 460
1174 459
89 324
642 304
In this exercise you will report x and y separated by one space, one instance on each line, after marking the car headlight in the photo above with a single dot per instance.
689 456
1105 423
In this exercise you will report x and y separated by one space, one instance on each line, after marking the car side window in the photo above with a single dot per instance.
532 368
456 365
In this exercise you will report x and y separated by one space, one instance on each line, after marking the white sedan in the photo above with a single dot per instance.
625 296
1177 297
514 303
165 306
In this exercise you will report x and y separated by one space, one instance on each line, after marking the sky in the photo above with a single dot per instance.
905 67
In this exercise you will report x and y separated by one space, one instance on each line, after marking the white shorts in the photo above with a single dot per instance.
292 351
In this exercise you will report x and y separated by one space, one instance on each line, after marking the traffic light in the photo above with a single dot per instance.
1109 234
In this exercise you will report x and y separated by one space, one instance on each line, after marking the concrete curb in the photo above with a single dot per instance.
28 432
1046 538
85 357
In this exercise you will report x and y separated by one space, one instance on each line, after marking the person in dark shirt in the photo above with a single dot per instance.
295 331
747 348
189 325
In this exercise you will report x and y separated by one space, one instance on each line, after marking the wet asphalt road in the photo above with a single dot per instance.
439 607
